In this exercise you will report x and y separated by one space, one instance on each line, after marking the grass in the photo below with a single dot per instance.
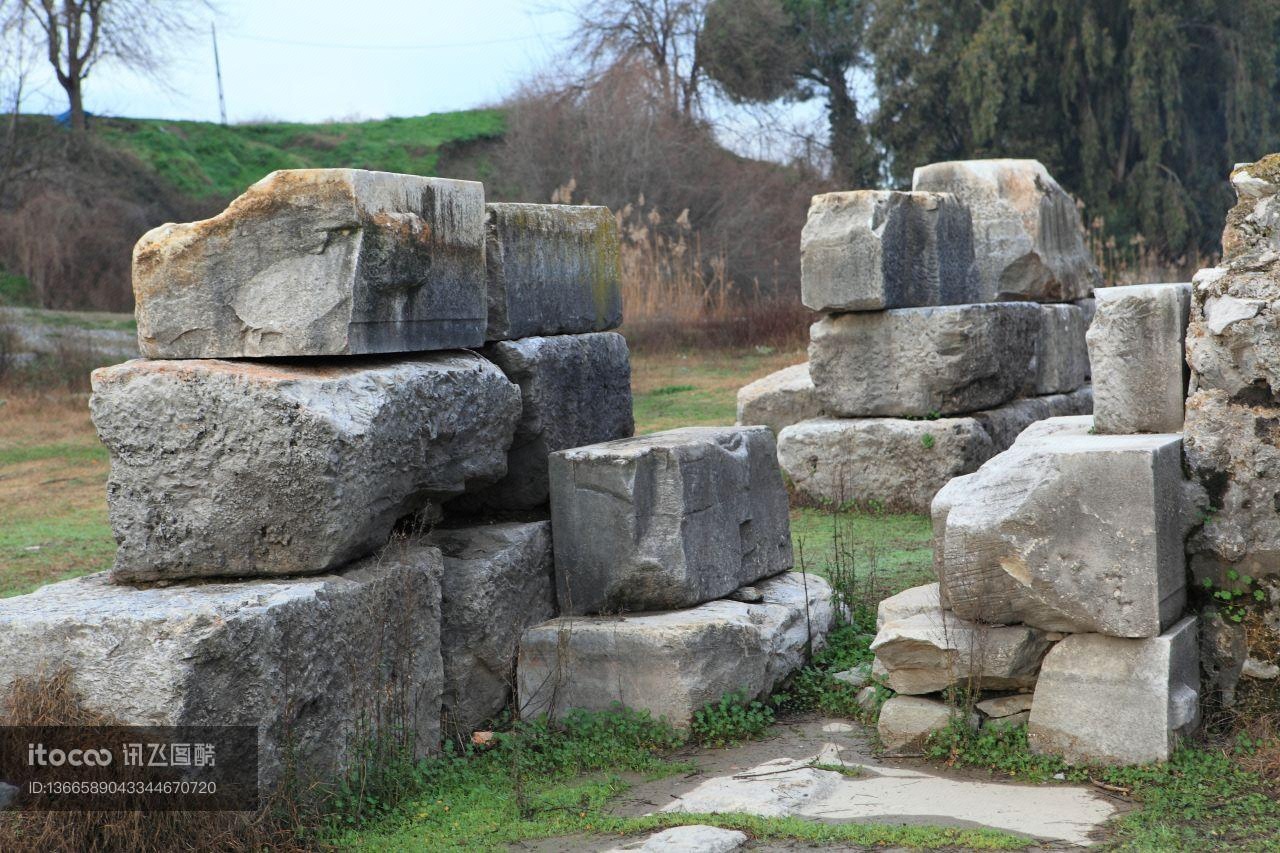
208 160
900 545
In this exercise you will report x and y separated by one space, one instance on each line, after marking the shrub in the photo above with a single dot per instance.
730 721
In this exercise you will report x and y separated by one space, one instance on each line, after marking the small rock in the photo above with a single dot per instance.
1010 722
1254 668
907 721
698 838
8 793
746 594
856 677
866 698
1005 706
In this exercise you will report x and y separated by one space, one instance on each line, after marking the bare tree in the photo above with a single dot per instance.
77 35
659 35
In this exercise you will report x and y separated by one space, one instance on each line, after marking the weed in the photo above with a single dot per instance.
927 441
1235 600
730 721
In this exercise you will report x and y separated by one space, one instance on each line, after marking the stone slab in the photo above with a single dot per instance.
552 270
575 390
1027 234
314 262
782 398
868 250
242 469
310 662
1136 357
1071 531
667 520
676 662
498 582
1107 700
923 361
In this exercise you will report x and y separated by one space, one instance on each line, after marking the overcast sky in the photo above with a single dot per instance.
310 60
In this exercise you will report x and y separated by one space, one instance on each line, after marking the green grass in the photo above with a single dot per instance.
204 159
70 320
683 405
42 551
15 289
900 546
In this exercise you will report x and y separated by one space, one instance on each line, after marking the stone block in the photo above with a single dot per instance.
667 520
310 662
1027 234
782 398
241 469
676 662
318 262
935 650
553 270
1252 228
498 582
868 250
1108 700
575 390
1005 423
1136 357
1006 706
1071 531
923 361
907 721
1062 357
908 603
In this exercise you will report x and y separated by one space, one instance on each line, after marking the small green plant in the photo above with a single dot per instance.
731 720
1234 601
671 389
849 770
1001 748
927 441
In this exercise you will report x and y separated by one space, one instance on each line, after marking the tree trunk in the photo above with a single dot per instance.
853 162
74 96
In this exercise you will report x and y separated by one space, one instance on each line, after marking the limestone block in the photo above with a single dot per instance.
310 661
318 262
907 721
1027 234
667 520
908 603
553 270
923 361
1006 706
1107 700
935 650
238 469
868 250
1062 357
1070 531
1005 423
673 663
1136 357
498 581
782 398
574 390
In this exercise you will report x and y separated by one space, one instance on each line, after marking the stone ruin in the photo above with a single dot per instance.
379 449
955 317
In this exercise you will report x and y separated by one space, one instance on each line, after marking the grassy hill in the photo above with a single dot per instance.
208 160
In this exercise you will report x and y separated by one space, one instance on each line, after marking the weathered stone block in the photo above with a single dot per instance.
1107 700
574 390
1253 226
1005 423
237 469
553 270
907 721
1069 531
674 663
935 650
1062 357
318 262
923 361
309 662
667 520
868 250
780 399
908 603
1135 351
1027 234
498 582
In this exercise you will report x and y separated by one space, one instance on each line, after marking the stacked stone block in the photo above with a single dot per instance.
1062 581
951 323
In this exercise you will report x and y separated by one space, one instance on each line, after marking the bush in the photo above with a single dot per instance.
730 721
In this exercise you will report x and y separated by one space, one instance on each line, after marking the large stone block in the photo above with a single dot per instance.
318 262
667 520
312 662
237 469
498 582
1135 352
674 663
935 650
1062 357
1107 700
553 270
868 250
900 463
908 603
782 398
1027 234
923 361
1070 531
574 390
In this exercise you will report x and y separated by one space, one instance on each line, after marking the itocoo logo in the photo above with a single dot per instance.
40 756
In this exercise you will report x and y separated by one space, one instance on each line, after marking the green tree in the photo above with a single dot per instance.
767 50
1138 106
